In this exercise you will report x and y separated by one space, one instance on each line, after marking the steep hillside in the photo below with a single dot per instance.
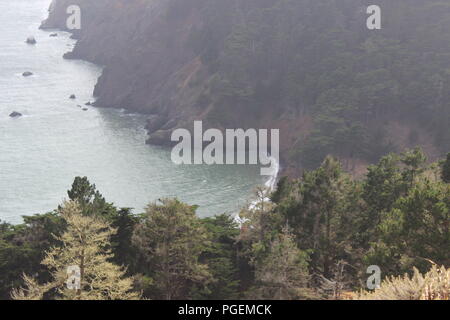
308 67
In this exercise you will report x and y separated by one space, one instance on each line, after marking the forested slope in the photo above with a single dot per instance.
315 239
308 67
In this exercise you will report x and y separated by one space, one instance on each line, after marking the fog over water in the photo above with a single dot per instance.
55 140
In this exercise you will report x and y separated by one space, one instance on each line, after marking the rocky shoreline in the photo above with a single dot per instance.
138 76
149 66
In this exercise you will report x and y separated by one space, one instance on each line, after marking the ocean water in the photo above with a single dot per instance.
55 140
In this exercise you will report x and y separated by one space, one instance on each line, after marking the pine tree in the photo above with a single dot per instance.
172 238
446 169
260 221
318 215
414 160
416 228
90 199
283 273
382 187
222 260
85 246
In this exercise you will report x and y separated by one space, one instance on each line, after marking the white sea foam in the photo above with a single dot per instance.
270 185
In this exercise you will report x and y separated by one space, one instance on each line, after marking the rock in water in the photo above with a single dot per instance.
15 114
53 34
155 122
72 96
85 109
31 40
27 74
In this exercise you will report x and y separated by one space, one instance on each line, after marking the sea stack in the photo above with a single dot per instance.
15 114
31 40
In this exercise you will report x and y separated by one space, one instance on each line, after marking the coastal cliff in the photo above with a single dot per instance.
151 67
145 56
330 85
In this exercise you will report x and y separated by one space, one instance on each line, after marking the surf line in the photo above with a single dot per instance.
270 186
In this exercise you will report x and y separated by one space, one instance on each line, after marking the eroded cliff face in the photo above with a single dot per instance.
150 66
146 60
256 64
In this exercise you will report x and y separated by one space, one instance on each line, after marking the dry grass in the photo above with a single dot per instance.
434 285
